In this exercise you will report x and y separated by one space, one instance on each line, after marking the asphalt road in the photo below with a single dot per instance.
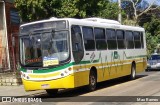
114 92
121 91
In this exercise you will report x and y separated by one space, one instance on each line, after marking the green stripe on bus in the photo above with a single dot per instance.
49 70
56 68
53 69
70 64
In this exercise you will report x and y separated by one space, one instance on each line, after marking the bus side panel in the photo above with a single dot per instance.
125 69
100 74
100 71
141 65
107 72
113 72
81 75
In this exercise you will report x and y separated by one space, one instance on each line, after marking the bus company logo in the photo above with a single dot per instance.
6 99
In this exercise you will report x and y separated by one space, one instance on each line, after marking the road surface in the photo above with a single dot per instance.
120 91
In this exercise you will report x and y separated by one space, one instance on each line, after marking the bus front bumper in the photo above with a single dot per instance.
61 83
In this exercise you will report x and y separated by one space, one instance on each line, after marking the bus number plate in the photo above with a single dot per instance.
45 86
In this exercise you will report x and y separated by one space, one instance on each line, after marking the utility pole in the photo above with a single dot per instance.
119 15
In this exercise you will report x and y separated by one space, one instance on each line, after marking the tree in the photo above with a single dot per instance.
68 8
109 10
153 26
136 8
152 42
31 10
147 17
152 34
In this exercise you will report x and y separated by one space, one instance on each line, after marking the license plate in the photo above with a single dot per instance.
44 86
153 66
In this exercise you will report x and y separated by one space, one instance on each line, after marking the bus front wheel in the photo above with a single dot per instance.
92 81
52 92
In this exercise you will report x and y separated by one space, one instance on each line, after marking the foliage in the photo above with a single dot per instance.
31 10
153 26
134 9
152 34
110 10
68 8
151 43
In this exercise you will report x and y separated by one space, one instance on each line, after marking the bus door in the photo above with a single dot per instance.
78 54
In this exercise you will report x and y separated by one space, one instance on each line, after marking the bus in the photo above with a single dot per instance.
63 53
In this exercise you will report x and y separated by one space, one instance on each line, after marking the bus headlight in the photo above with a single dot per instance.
27 77
62 74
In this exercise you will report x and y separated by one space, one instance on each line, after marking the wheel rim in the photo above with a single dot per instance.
133 72
93 81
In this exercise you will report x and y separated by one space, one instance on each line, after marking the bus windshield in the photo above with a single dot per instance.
43 49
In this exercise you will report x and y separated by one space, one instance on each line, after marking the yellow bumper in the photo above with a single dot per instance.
66 82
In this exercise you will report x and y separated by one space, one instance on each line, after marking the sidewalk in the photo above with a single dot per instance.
16 91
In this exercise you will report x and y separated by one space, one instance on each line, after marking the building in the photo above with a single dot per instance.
9 27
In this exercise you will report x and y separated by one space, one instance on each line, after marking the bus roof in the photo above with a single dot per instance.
95 22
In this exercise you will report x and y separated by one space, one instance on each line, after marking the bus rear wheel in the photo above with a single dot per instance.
133 72
52 92
92 81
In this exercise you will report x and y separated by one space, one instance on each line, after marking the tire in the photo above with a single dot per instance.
52 92
133 72
92 81
147 70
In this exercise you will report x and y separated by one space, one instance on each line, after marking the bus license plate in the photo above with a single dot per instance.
44 86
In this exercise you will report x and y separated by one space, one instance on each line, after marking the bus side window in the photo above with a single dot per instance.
137 39
129 39
111 38
101 43
120 39
88 36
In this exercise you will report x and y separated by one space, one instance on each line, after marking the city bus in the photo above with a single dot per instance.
63 53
